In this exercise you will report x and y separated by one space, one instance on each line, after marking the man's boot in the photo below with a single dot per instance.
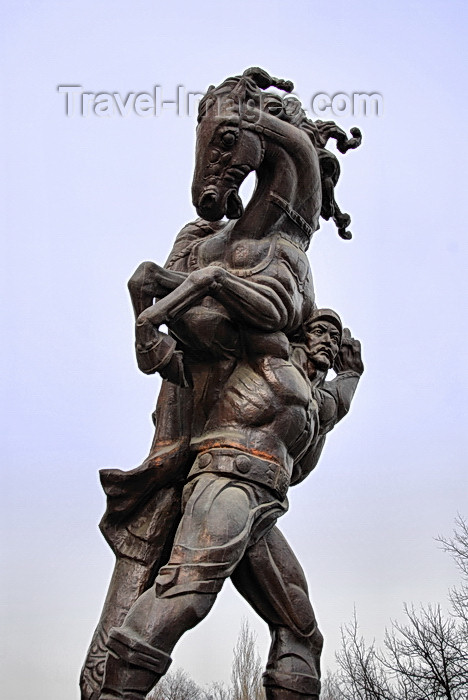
294 686
124 681
275 693
132 667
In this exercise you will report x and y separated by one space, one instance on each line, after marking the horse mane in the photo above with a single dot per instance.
249 88
241 95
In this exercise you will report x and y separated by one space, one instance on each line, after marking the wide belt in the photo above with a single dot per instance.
243 465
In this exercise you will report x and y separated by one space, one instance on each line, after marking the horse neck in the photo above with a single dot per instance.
287 176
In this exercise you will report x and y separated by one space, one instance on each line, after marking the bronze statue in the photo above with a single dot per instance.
244 408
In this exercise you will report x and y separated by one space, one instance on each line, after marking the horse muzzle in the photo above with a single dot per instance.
212 207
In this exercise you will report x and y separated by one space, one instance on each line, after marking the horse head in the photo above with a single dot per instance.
227 151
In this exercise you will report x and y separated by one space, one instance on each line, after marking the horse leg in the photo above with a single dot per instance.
266 306
151 281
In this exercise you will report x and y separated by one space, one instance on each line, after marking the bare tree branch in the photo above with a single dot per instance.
425 658
246 675
177 685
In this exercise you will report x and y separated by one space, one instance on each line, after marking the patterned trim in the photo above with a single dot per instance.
292 214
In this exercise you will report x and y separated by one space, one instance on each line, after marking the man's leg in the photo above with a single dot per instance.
139 651
211 539
273 582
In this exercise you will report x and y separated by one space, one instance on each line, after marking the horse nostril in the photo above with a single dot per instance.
209 199
214 155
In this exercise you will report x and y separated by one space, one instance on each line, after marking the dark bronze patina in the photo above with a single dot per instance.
245 406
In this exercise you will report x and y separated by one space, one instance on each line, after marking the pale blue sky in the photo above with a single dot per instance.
84 200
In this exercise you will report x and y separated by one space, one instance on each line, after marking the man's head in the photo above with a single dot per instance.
323 333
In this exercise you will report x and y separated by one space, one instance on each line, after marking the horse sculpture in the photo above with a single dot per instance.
225 283
254 265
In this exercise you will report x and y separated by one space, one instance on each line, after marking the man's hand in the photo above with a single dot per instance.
349 356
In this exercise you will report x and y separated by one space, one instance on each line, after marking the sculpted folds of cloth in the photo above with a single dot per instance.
245 405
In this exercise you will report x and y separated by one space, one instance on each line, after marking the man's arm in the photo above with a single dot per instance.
337 394
334 399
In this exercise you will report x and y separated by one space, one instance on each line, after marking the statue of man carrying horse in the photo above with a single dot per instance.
244 408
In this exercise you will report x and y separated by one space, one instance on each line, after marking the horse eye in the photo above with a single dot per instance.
229 138
275 109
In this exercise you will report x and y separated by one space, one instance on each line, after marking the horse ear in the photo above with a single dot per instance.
240 89
211 88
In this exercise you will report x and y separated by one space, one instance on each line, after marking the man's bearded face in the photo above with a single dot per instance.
323 343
